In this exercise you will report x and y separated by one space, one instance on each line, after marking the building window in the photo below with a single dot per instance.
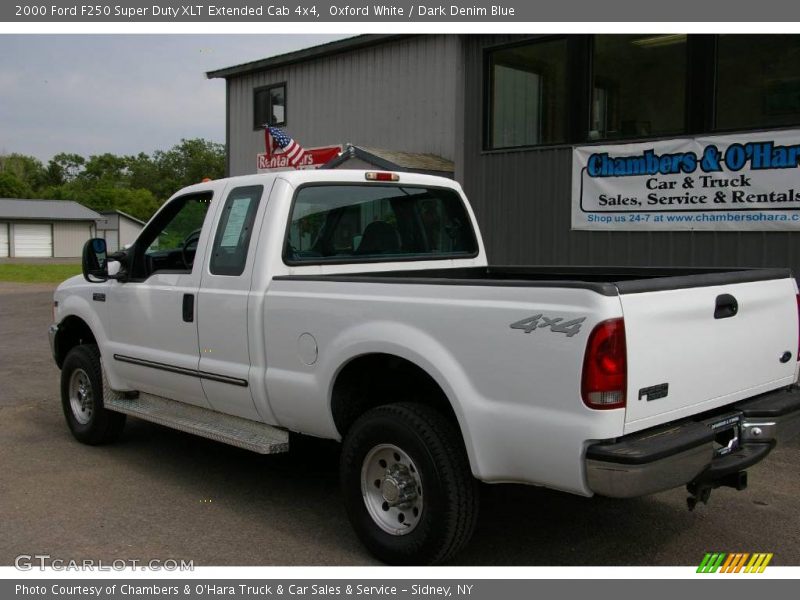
269 106
758 81
638 86
527 100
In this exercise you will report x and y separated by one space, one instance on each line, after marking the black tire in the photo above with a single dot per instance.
92 424
450 492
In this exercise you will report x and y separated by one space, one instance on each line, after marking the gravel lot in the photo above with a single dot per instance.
160 494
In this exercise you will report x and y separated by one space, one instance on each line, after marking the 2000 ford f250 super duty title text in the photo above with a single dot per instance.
359 306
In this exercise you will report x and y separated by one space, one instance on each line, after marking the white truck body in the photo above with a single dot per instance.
268 345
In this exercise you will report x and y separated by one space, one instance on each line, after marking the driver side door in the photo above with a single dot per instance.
153 323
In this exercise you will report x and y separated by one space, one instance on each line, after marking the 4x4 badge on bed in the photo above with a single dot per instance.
556 324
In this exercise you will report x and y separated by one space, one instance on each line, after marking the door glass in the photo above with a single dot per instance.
171 243
232 240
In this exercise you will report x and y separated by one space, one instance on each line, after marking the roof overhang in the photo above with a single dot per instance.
392 160
306 54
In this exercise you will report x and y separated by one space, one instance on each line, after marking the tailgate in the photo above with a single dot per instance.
684 359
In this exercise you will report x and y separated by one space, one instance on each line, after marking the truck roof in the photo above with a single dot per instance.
298 177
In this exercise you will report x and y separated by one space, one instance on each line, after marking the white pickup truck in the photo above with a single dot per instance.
359 306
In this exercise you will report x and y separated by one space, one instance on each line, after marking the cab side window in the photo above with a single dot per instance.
235 228
169 242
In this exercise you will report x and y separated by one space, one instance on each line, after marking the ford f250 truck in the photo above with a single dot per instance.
359 306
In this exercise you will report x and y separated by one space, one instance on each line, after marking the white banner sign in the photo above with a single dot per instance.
726 182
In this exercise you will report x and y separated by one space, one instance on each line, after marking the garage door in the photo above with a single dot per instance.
33 240
3 240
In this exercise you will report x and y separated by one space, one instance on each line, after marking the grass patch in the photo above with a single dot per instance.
38 273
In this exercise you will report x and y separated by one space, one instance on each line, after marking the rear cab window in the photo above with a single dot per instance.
332 223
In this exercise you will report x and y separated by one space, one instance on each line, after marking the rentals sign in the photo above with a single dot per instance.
732 182
312 158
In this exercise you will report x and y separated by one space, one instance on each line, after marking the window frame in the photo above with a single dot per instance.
379 259
689 100
713 128
267 88
488 91
701 86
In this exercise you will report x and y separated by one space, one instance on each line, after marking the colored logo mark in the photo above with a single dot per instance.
736 562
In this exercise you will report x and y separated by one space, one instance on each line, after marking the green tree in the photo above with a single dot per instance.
106 195
142 172
137 185
26 169
186 163
139 203
64 167
12 187
105 167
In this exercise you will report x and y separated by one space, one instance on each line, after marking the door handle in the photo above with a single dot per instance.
726 307
188 308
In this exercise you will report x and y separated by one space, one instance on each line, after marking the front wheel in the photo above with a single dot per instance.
82 398
408 489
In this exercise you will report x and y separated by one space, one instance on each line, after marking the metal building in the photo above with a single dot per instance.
511 111
381 91
118 229
44 228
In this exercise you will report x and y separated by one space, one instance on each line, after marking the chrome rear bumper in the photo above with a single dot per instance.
693 451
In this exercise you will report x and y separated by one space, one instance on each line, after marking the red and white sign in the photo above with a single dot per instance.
312 159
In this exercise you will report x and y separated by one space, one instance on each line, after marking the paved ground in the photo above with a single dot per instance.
164 494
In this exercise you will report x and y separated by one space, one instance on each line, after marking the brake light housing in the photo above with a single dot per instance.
381 176
605 366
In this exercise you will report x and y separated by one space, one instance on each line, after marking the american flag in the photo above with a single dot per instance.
292 150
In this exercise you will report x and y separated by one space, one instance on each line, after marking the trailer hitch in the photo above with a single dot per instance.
700 489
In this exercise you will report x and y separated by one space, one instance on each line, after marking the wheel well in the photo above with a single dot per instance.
72 331
376 379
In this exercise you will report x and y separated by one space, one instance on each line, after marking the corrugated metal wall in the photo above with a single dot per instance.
522 200
128 231
399 95
69 237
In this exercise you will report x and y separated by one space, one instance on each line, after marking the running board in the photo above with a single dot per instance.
243 433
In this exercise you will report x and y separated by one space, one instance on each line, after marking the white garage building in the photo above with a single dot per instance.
44 228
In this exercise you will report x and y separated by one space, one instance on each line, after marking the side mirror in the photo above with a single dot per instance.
95 261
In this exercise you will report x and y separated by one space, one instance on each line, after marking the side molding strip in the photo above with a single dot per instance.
181 370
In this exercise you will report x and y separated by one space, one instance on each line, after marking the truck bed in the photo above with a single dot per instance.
609 281
711 337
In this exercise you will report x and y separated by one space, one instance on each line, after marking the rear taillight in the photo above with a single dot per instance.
605 366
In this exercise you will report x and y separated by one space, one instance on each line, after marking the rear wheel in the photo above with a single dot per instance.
408 489
82 398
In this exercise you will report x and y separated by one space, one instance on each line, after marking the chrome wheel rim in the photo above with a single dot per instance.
392 489
80 396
